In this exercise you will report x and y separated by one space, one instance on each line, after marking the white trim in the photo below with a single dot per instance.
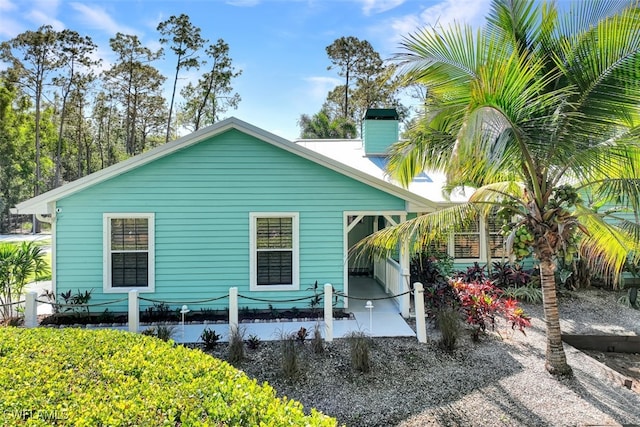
54 250
404 262
253 270
345 238
345 264
106 252
39 204
481 253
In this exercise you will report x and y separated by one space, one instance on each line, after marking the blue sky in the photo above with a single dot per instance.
278 44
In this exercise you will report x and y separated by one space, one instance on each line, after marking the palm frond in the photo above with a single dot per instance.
495 194
445 57
603 58
516 22
417 232
425 148
606 247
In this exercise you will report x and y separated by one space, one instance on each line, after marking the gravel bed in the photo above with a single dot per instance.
500 381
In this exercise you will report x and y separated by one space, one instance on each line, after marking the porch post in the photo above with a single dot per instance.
328 312
405 300
233 311
30 310
134 311
421 326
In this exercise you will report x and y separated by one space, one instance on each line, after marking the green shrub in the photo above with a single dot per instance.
253 342
88 377
359 344
316 341
236 346
163 332
289 354
209 338
529 293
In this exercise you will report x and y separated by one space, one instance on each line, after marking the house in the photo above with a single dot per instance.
235 206
478 242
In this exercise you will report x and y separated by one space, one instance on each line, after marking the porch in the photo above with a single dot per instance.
384 319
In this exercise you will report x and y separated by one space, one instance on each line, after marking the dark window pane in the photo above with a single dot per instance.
274 233
472 227
437 247
129 234
130 269
496 246
275 268
466 246
494 224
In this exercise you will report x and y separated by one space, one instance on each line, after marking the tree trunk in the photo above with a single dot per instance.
556 360
173 96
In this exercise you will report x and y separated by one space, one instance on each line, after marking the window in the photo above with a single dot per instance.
466 242
274 251
129 252
496 240
438 247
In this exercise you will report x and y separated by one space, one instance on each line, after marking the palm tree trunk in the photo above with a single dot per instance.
556 360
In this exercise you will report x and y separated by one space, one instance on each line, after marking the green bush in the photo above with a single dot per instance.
87 378
289 355
359 345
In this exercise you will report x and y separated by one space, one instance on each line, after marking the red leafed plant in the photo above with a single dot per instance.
481 301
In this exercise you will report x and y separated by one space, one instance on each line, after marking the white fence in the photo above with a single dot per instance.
388 272
31 307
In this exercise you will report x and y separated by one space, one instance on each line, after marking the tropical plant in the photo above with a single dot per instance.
359 346
538 113
162 332
316 340
253 342
289 356
236 346
209 338
18 265
481 303
504 275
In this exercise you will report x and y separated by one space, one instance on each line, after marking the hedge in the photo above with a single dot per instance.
112 378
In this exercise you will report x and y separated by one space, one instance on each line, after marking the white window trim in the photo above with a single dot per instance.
295 274
482 256
106 251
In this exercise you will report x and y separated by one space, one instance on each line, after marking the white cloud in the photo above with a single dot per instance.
379 6
450 11
38 13
98 18
40 17
318 87
443 14
9 28
7 5
243 3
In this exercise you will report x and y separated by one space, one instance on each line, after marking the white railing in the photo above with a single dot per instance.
388 272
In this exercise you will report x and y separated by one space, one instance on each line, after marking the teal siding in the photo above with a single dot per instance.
379 135
201 197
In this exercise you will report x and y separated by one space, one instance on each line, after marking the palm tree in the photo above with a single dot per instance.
538 112
19 263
